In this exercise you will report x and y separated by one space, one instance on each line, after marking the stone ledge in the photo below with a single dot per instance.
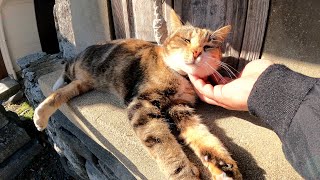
8 87
102 118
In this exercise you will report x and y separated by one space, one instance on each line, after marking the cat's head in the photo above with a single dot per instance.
192 50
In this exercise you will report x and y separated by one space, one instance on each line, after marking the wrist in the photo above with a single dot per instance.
276 96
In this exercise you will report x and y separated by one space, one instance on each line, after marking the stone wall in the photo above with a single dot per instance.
81 157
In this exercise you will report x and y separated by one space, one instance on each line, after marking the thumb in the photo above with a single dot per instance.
216 97
207 90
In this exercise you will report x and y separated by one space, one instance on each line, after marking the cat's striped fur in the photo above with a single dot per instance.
151 80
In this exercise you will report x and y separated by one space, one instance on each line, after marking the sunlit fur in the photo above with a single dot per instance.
152 81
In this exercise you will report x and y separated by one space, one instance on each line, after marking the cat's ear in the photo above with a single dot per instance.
175 21
222 33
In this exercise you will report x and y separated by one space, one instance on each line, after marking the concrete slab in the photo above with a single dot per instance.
8 87
292 36
256 148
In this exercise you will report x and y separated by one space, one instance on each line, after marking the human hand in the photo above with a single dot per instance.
233 94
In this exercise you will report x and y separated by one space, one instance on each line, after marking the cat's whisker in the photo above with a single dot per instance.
208 72
232 68
230 73
215 77
226 67
222 66
216 73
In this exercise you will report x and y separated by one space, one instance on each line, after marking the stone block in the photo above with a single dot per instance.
19 160
25 61
63 21
95 172
3 120
70 148
8 87
12 138
115 169
34 70
71 143
16 97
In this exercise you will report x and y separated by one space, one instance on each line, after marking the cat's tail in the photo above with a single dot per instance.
63 79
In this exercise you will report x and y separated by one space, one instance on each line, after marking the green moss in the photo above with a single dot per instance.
25 111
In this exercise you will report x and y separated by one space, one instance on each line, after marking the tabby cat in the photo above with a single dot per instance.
152 81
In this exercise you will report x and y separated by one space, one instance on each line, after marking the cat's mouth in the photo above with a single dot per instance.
200 59
194 61
202 66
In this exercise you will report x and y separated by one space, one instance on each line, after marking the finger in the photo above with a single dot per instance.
206 99
213 102
209 93
225 80
201 85
193 78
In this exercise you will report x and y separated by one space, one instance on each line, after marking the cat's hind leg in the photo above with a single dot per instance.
205 145
152 129
56 99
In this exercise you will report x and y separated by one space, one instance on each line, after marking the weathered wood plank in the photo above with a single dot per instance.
120 18
143 19
215 14
202 13
255 29
235 16
166 8
134 18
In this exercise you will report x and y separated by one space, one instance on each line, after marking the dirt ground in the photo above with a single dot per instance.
45 165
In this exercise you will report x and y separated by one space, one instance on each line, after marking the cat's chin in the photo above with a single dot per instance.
200 75
198 71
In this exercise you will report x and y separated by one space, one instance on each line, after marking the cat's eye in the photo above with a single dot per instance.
206 47
186 40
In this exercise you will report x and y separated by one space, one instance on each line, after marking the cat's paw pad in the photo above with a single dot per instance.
40 119
225 166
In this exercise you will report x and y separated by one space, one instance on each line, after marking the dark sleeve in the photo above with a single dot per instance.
289 102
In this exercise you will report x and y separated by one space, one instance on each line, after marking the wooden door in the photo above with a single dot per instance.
3 70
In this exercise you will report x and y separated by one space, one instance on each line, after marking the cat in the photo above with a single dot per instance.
152 81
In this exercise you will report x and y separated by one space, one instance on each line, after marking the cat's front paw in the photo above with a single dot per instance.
40 118
222 166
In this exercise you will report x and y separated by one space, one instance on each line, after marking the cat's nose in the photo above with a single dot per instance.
196 54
